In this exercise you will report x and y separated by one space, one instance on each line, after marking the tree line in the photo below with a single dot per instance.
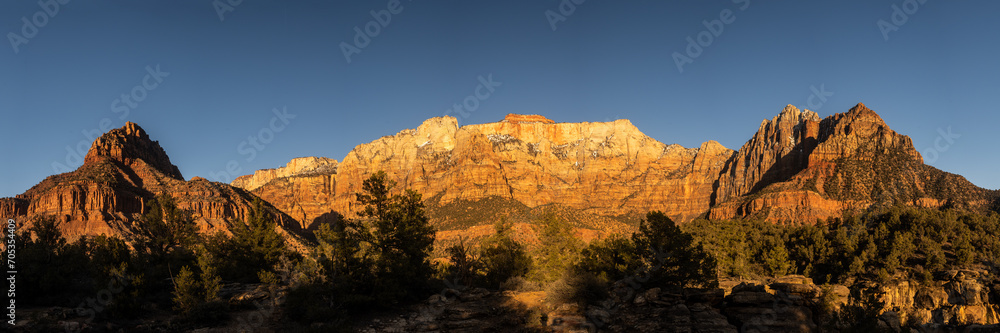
382 259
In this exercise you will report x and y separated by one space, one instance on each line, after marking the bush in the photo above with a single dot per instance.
579 287
254 246
464 269
862 310
503 258
187 292
165 228
671 256
559 249
197 299
611 259
377 261
54 265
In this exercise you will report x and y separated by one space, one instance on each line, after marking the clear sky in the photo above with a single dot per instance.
220 77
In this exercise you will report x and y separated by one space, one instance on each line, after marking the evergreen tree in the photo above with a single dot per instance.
502 257
672 257
187 292
559 249
396 236
165 228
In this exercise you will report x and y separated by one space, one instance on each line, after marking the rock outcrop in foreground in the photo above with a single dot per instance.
123 170
790 303
797 167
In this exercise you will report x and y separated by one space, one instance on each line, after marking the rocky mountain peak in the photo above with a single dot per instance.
792 114
129 145
861 113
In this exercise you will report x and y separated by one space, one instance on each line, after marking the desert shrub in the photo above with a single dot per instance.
50 267
254 246
861 313
611 259
577 286
165 228
502 257
671 256
187 292
196 298
660 252
312 303
559 249
464 269
376 261
776 259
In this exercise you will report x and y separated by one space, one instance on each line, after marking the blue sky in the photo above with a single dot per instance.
221 77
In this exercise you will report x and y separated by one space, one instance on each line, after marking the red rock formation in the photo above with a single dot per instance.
603 168
795 168
799 169
131 146
777 151
296 167
121 172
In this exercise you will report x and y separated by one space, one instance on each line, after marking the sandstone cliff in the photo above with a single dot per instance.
608 168
797 167
123 170
302 166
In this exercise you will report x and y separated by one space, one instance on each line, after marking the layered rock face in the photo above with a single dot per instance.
797 167
296 167
606 168
131 146
779 149
123 170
